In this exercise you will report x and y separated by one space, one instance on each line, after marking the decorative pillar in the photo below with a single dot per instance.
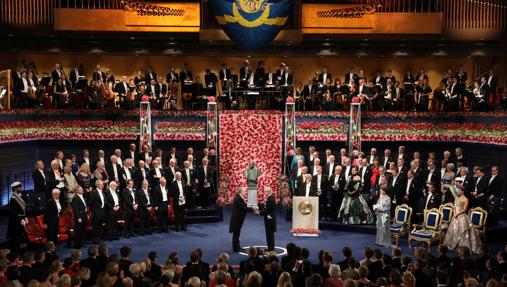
212 126
355 127
145 132
289 131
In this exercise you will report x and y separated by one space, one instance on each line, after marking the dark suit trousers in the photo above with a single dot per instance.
270 237
98 217
179 217
80 232
162 216
112 223
235 240
144 219
205 196
129 221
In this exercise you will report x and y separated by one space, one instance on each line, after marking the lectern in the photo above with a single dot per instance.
305 216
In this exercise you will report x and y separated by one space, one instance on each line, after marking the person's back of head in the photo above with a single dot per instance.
381 282
254 279
334 271
252 252
315 280
152 255
368 252
347 251
363 272
352 262
75 281
127 282
395 277
442 278
377 253
221 277
349 283
125 251
194 257
305 253
194 282
33 283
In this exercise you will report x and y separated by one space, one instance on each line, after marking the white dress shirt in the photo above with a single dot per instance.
115 197
308 187
58 205
101 195
164 193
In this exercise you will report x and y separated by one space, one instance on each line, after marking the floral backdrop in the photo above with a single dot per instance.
250 135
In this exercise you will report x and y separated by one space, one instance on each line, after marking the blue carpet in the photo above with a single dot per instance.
214 238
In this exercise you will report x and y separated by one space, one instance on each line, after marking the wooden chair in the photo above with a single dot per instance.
401 222
429 231
447 211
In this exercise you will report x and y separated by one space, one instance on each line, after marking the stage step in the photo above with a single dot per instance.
209 215
359 228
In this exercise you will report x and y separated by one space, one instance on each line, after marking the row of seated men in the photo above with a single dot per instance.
322 92
422 184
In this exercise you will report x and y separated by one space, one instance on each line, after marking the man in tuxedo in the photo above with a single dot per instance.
39 178
132 153
160 196
156 173
127 172
351 76
411 193
101 157
432 200
140 174
494 192
402 169
150 75
54 179
56 73
188 178
330 166
321 183
130 206
365 174
204 179
239 210
372 155
335 191
210 80
122 89
145 206
324 75
171 171
224 75
113 210
402 154
145 154
347 168
479 193
80 212
179 195
268 210
98 206
172 76
98 74
397 189
52 214
86 159
419 174
308 187
113 169
386 159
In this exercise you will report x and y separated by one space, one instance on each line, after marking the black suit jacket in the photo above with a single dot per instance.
383 160
184 176
128 200
51 181
366 179
123 176
110 204
138 176
226 74
110 171
157 195
268 210
398 189
239 210
52 217
39 181
175 194
79 210
321 77
172 75
142 199
434 201
496 186
324 183
201 177
55 76
96 76
302 189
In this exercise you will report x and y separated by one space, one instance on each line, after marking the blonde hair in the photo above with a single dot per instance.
84 168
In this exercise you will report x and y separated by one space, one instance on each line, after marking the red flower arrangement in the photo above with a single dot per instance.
67 130
322 131
100 112
305 231
250 135
283 187
180 130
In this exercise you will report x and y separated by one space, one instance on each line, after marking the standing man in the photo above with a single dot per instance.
179 201
269 213
80 211
239 210
17 216
52 215
130 205
204 177
161 203
98 206
113 210
188 178
145 206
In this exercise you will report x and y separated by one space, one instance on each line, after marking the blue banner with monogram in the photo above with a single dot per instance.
252 24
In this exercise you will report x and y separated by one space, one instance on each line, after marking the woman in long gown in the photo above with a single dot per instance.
461 231
354 209
383 209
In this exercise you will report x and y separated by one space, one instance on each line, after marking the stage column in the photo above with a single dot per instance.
355 127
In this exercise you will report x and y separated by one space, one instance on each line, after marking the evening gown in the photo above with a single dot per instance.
461 232
354 209
383 221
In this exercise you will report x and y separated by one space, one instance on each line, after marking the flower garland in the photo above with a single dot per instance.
180 130
402 115
222 191
302 231
322 131
67 130
100 112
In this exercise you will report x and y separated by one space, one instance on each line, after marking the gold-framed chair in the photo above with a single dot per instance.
478 217
429 230
447 211
401 222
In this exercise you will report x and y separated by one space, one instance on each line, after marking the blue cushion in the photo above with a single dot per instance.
402 214
432 220
396 225
446 214
422 234
476 218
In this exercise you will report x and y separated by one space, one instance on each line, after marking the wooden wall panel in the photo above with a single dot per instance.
303 67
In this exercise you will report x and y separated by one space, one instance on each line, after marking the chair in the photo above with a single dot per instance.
34 234
429 231
478 217
401 222
447 211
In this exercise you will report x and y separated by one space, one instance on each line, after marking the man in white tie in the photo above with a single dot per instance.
127 172
113 210
117 153
156 173
113 169
130 206
161 204
308 188
171 170
80 212
204 177
39 178
179 200
141 174
52 214
188 178
145 207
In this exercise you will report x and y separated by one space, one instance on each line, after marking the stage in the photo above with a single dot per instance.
214 238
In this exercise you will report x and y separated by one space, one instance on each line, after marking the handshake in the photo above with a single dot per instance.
255 210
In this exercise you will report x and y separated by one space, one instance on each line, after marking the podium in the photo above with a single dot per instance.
305 216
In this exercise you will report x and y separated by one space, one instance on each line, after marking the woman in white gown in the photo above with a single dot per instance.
383 210
461 231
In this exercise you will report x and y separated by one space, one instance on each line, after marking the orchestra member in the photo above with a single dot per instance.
186 79
423 92
224 75
56 73
122 88
150 75
210 80
244 74
481 96
351 76
179 195
109 77
75 74
98 75
172 76
139 78
60 94
324 75
409 86
161 89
